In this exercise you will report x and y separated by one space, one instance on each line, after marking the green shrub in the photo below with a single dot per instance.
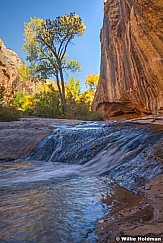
2 93
9 113
25 102
80 110
47 104
94 116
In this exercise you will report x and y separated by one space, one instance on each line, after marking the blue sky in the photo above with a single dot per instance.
13 14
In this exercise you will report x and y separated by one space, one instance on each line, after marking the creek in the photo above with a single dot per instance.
56 193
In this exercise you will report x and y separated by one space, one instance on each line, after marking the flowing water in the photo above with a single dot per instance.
56 193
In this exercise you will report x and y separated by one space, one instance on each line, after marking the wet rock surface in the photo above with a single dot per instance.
139 214
134 215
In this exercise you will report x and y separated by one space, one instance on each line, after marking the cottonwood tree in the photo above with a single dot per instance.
73 89
92 81
91 84
46 43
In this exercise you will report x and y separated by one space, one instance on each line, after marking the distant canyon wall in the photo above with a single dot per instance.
9 76
131 75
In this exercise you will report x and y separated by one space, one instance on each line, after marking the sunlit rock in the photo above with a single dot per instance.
131 83
9 76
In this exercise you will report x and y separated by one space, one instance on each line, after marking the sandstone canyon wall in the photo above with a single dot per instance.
9 76
131 75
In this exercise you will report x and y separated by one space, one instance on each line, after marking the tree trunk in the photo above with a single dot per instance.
63 91
63 101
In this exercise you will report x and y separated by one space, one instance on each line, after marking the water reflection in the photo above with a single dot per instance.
64 211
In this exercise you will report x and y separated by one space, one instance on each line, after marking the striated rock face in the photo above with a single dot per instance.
131 75
9 66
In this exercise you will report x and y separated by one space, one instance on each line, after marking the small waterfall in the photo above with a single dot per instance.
122 151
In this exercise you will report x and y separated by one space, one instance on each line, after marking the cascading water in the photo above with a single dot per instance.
55 194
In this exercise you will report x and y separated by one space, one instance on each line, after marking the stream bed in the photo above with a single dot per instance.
56 194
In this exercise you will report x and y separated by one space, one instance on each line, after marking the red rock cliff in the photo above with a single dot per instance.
9 66
131 72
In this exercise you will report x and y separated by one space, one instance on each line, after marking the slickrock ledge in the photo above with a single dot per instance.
131 83
18 138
